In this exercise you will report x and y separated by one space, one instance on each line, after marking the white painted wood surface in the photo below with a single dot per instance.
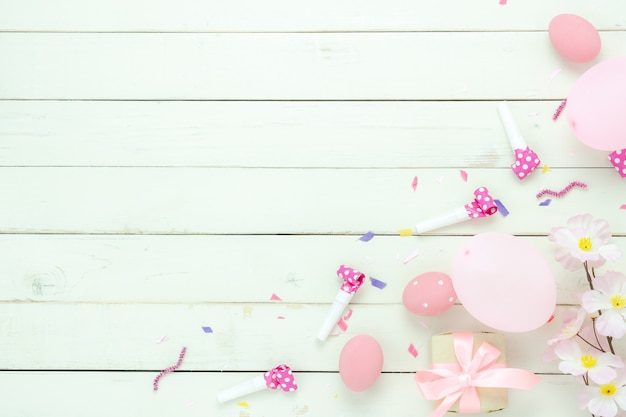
169 165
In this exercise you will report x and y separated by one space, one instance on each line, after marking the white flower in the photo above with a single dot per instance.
573 319
599 366
603 400
608 296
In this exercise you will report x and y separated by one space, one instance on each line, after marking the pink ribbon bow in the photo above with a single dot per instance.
482 206
618 160
280 377
352 279
458 381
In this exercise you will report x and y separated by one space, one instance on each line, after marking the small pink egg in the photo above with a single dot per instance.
574 38
360 362
429 294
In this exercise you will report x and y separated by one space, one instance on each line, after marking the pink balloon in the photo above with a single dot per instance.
504 282
574 38
596 106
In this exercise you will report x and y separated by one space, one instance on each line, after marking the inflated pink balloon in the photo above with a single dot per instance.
574 38
596 106
504 282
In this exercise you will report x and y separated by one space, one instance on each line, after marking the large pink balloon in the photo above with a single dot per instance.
596 106
504 282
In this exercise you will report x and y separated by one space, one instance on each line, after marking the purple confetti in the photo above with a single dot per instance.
367 237
377 283
546 202
501 208
207 329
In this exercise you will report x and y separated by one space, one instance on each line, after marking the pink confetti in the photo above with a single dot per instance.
463 175
622 207
281 317
503 2
274 297
563 192
424 325
348 315
155 383
342 325
559 110
411 256
161 340
412 350
414 183
555 73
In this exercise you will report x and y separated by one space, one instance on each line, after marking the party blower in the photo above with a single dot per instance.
483 205
526 160
278 377
352 281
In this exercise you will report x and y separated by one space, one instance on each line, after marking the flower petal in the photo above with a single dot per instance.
594 300
611 323
602 406
610 252
602 374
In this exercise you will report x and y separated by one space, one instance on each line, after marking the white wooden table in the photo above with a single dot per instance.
172 164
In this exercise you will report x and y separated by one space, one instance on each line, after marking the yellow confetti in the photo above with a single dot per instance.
545 169
336 396
243 404
405 232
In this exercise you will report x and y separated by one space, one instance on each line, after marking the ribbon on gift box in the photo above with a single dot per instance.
451 382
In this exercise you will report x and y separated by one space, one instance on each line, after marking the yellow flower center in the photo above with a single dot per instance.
588 361
585 244
618 301
608 389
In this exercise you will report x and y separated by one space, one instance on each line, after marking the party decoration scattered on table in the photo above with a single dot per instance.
412 350
504 282
618 160
155 383
526 160
429 294
457 373
574 38
279 377
274 297
545 202
411 256
414 183
563 192
352 281
367 237
481 206
503 210
463 175
559 110
360 362
207 329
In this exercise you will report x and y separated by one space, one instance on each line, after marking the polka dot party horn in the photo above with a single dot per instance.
279 377
482 206
526 160
352 281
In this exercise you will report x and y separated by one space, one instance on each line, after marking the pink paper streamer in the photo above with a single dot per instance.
412 350
414 183
559 109
155 383
463 175
563 192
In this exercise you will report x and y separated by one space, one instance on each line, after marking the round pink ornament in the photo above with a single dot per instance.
574 38
360 362
504 282
596 106
429 294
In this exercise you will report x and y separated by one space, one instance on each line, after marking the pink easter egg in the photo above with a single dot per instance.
574 38
360 362
596 106
504 282
429 294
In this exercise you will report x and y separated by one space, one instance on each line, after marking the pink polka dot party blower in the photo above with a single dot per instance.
483 205
526 160
279 377
352 281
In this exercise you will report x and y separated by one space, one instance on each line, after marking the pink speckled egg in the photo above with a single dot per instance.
574 38
429 294
360 362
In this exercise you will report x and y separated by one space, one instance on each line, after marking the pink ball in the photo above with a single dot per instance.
574 38
429 294
360 362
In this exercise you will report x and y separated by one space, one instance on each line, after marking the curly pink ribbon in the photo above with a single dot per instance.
458 381
618 160
280 377
482 206
352 279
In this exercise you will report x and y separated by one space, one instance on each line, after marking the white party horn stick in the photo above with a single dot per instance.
482 206
526 160
278 377
352 281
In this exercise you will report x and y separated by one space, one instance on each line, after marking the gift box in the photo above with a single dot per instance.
468 374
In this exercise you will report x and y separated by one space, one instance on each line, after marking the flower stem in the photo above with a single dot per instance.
590 277
599 347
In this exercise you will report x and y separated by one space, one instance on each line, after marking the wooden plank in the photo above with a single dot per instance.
284 15
223 269
282 134
100 394
246 336
304 66
291 201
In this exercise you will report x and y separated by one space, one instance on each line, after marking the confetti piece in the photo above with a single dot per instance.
367 237
342 325
348 315
155 383
424 325
622 207
414 183
441 179
274 297
559 109
336 396
463 175
243 404
501 208
207 329
412 350
281 317
545 169
545 202
555 73
551 318
161 340
377 283
559 194
503 2
411 256
405 232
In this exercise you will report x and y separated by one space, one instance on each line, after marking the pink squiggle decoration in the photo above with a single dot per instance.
155 384
558 111
559 194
